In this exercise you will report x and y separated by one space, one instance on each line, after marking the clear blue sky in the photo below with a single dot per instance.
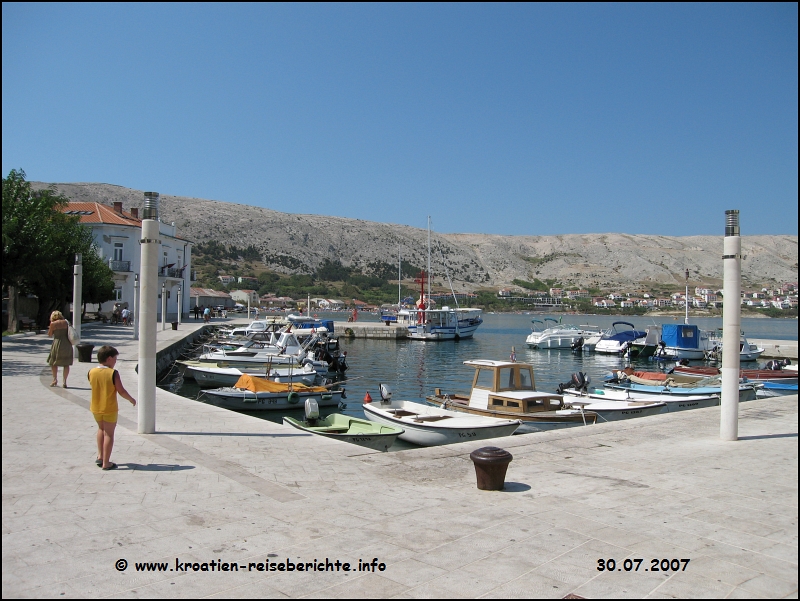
505 119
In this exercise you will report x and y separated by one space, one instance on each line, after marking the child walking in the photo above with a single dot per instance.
106 383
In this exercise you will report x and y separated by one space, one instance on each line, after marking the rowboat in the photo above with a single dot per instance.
430 426
346 428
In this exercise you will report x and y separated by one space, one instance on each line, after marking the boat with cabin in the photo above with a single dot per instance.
425 322
617 339
555 335
507 389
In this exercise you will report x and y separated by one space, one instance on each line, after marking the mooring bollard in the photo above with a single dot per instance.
491 464
84 352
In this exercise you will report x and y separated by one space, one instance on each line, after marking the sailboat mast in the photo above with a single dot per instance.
686 317
399 276
428 300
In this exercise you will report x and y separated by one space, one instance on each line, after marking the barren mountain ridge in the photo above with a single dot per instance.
295 243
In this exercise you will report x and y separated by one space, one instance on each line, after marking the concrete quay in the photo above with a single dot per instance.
778 349
217 486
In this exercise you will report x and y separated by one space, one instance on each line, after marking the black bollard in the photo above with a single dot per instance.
491 464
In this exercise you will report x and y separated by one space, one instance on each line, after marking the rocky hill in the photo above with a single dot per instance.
294 243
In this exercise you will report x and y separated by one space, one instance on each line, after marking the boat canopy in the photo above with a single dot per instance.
681 335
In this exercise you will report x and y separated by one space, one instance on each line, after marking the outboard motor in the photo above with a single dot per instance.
579 381
386 394
577 346
312 411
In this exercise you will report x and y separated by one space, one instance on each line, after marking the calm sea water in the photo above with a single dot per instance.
413 369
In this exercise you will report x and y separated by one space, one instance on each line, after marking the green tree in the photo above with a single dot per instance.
39 247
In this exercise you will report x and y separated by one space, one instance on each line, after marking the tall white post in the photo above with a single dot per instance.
731 324
180 300
77 289
136 306
163 305
151 247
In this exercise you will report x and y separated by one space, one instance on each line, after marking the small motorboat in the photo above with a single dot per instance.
257 394
346 428
430 426
617 340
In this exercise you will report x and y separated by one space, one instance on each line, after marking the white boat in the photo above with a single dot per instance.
672 403
687 341
616 341
747 350
211 375
430 426
556 336
440 324
425 322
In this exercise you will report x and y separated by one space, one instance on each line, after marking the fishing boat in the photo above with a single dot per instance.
425 322
430 426
507 389
346 428
258 394
647 346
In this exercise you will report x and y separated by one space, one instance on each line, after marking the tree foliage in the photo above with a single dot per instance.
39 246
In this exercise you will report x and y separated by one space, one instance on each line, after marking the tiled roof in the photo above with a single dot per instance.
94 212
208 292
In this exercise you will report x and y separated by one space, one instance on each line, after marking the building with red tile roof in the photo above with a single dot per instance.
116 235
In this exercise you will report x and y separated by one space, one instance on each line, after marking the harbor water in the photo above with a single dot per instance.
413 369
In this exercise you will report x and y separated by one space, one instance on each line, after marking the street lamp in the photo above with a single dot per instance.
77 285
164 305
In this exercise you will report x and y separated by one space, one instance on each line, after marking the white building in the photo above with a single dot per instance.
116 234
245 296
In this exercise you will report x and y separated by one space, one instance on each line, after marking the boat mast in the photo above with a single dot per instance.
686 317
428 300
399 276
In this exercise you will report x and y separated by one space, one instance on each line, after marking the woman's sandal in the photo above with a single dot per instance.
53 384
111 466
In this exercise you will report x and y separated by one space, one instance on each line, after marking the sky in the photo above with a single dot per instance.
532 119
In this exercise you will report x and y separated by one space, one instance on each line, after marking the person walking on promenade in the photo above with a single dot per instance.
106 383
61 350
196 312
125 315
207 315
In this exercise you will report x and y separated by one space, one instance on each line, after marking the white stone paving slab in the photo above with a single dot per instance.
214 485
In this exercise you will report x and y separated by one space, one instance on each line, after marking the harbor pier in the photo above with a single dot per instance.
213 487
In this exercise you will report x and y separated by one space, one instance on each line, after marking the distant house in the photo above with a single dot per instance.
245 297
206 297
226 279
244 279
116 234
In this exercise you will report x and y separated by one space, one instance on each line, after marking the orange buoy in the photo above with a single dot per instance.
367 398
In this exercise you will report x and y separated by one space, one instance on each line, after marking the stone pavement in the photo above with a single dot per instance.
217 486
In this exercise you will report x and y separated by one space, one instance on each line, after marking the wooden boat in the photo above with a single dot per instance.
505 389
257 394
346 428
753 375
747 391
430 426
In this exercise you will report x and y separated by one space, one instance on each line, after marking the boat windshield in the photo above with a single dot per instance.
484 378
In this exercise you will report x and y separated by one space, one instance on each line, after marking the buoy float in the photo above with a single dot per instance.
367 398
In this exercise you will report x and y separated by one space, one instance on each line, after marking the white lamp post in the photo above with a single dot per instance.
180 299
151 246
163 305
136 306
731 324
77 288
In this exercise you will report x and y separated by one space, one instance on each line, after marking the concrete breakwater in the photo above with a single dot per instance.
173 349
